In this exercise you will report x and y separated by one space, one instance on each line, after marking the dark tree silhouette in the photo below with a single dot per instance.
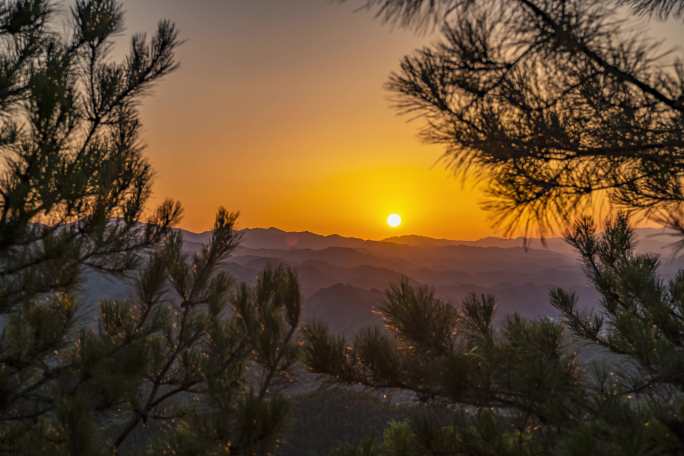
187 350
556 102
660 8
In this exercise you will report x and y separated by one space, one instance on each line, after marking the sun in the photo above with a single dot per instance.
394 220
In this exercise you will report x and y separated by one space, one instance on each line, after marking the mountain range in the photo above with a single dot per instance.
343 278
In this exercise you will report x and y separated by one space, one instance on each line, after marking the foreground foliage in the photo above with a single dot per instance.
187 353
522 389
558 104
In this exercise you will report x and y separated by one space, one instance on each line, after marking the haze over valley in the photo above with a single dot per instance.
343 279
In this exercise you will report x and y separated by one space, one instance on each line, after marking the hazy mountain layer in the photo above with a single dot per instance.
343 279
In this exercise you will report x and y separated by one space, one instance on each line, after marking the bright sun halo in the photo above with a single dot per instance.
394 220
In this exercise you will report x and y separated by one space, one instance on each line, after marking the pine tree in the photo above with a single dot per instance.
189 362
521 388
556 103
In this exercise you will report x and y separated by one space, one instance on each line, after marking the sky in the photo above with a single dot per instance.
278 110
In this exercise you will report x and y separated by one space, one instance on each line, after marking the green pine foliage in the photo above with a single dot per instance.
189 362
521 388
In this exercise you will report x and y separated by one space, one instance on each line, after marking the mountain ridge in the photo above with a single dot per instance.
341 278
654 240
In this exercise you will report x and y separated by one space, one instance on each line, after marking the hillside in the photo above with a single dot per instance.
342 279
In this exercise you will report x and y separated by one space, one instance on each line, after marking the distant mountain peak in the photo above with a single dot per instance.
654 240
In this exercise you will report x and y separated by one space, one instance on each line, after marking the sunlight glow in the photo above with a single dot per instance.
394 220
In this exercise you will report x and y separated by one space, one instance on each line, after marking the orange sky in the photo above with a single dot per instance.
279 111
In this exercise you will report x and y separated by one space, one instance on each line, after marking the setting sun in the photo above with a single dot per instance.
253 226
394 220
